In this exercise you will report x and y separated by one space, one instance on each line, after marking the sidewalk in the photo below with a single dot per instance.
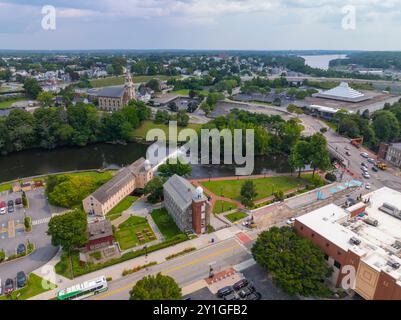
115 271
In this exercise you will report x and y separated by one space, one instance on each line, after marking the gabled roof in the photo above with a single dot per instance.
343 92
180 190
121 179
111 92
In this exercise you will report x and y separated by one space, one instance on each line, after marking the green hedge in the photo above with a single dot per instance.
63 267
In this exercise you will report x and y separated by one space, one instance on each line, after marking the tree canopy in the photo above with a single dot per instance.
158 287
296 264
69 230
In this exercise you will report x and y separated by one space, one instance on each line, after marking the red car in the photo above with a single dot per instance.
2 207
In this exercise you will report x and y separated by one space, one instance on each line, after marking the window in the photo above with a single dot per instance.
302 227
337 264
327 244
326 257
338 253
313 235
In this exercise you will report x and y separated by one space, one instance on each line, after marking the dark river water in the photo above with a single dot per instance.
36 162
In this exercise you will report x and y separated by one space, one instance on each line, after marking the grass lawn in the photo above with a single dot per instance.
122 206
185 92
148 125
97 176
116 81
223 206
233 217
7 103
33 288
165 223
126 232
5 187
264 186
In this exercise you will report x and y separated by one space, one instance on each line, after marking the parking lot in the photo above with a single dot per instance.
257 278
12 233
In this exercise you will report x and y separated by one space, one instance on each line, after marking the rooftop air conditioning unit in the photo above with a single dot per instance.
372 222
355 241
393 264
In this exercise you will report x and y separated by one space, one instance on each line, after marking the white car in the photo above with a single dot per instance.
367 186
372 161
366 175
3 211
364 155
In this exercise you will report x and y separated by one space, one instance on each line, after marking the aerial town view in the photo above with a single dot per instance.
221 151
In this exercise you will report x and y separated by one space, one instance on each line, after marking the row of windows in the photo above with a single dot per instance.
327 243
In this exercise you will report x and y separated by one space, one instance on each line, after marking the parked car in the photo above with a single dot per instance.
363 164
244 292
231 296
348 154
21 279
21 248
366 175
240 284
254 296
368 186
3 207
375 169
1 287
9 286
10 205
224 291
364 155
370 160
18 202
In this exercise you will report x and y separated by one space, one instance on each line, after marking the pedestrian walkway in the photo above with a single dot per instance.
41 221
115 271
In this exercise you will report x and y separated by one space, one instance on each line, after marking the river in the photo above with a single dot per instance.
98 156
322 61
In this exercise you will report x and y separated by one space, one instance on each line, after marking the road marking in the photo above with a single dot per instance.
41 221
130 285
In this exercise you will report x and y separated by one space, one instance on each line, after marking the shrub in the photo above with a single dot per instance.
2 255
185 251
28 223
330 177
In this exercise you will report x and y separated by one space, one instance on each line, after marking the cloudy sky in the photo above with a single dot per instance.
203 24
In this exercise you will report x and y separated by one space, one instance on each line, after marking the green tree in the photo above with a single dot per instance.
296 264
32 88
154 190
69 230
169 169
248 193
319 155
386 126
154 84
300 156
182 118
68 192
157 287
46 98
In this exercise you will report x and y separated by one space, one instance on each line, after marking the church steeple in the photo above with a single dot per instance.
129 86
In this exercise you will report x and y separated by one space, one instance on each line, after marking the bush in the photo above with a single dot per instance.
96 255
63 266
2 255
138 268
28 223
185 251
330 177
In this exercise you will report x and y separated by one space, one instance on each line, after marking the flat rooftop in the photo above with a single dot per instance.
379 244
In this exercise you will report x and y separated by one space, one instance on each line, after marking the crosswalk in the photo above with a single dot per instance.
41 221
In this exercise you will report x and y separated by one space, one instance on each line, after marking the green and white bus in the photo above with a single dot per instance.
83 290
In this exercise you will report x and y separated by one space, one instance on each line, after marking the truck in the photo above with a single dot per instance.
381 165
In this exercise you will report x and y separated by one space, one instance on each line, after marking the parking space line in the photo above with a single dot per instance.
11 229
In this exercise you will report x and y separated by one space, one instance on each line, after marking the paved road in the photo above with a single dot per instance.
184 270
377 180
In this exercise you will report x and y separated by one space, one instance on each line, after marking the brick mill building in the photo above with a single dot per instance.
187 205
100 235
134 176
366 236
